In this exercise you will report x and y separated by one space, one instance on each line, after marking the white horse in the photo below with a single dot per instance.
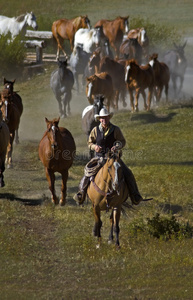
88 38
17 25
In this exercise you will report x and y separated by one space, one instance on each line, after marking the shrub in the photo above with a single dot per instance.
12 55
165 227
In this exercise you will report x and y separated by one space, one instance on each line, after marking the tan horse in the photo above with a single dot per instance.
108 190
65 29
11 116
4 142
57 150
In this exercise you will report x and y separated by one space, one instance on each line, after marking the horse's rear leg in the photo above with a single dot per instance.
63 189
10 150
149 99
51 180
131 100
16 137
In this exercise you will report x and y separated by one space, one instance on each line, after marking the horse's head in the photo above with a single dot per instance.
152 59
52 131
62 65
142 36
98 103
124 24
114 170
85 22
96 36
130 68
180 52
8 84
89 87
5 103
95 58
31 20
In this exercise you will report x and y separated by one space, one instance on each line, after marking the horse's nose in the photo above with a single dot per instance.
54 146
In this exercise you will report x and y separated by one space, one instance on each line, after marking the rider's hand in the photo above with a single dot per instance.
114 148
98 148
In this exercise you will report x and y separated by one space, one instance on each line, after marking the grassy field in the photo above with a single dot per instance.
49 252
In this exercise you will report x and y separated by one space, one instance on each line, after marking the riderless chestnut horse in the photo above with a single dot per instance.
56 152
138 78
4 142
114 30
100 83
108 190
15 97
161 75
65 29
11 116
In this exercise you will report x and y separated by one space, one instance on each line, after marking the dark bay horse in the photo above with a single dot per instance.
88 116
4 142
100 83
177 63
15 97
114 30
139 78
108 189
11 116
161 76
56 152
130 48
65 29
61 83
141 35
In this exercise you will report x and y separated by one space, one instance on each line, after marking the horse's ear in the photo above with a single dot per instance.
46 120
184 44
4 80
175 45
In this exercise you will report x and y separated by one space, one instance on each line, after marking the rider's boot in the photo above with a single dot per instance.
81 195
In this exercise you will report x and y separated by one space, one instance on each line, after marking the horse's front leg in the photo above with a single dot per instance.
149 98
144 99
51 180
16 137
63 189
116 219
136 99
131 99
10 150
111 231
98 223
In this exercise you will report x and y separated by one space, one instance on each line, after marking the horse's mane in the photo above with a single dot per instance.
76 21
20 18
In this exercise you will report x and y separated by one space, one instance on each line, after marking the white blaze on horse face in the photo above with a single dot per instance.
143 36
6 105
126 26
89 89
116 179
151 62
127 73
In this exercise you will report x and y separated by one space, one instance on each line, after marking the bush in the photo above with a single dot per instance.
12 56
165 227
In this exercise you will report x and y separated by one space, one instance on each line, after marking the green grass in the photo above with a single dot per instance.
49 252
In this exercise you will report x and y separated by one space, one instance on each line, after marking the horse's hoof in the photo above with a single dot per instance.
62 202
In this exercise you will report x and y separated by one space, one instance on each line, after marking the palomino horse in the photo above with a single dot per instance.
100 83
17 25
56 152
15 97
177 63
114 30
108 190
161 75
130 48
141 35
88 116
138 78
4 142
61 83
65 29
88 38
11 116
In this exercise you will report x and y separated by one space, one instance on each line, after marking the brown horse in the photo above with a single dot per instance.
57 151
11 116
162 76
138 78
141 35
65 29
108 190
130 48
100 83
4 142
114 31
15 97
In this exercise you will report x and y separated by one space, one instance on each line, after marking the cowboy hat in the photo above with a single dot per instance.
103 113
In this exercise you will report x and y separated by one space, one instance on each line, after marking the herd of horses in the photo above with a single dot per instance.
113 61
